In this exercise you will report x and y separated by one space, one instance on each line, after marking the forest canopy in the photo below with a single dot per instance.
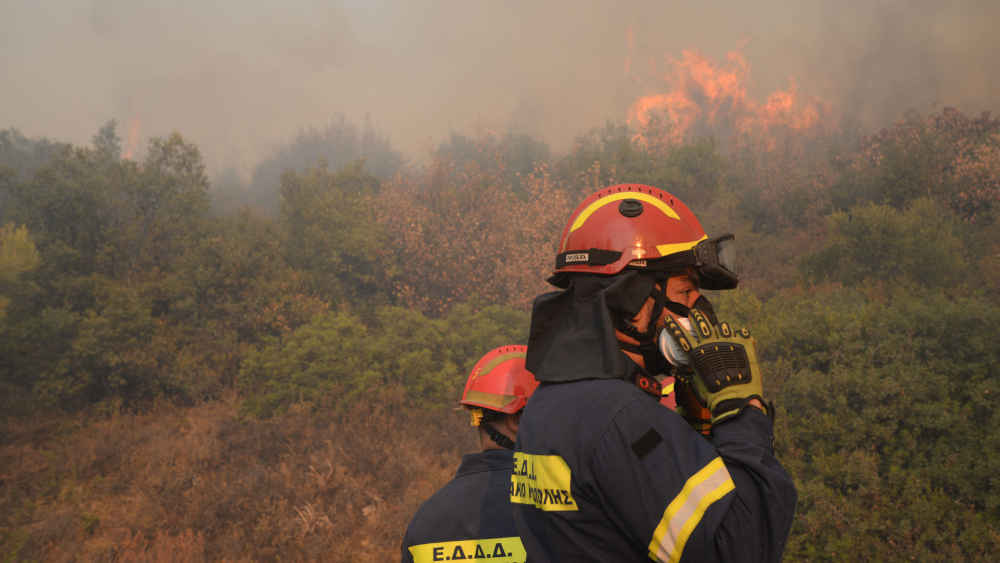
360 283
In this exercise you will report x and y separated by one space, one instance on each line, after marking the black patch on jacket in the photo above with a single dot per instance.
644 445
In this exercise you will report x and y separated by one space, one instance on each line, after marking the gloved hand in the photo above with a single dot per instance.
727 375
689 405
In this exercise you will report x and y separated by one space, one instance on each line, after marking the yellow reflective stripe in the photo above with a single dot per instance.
684 513
544 481
509 549
497 361
488 399
667 389
590 209
673 248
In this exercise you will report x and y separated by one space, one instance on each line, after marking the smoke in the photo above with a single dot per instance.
242 77
917 54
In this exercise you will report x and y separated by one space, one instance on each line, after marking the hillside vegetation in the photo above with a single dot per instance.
183 381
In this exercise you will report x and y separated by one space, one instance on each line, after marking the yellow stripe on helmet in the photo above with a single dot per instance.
483 370
673 248
590 209
493 402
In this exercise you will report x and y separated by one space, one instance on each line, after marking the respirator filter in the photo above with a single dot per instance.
669 347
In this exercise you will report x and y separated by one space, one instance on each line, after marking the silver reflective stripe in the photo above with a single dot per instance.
683 514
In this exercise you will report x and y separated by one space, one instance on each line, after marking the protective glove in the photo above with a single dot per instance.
726 373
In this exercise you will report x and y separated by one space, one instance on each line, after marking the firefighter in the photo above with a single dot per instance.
470 517
602 471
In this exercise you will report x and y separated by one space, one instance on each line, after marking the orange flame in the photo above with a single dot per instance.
630 45
709 99
132 138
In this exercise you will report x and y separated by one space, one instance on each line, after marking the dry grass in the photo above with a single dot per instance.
199 484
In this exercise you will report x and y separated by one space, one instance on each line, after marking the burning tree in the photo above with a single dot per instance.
707 99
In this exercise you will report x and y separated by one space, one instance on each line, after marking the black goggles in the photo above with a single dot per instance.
713 261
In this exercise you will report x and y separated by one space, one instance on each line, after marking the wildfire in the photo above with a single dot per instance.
704 98
132 138
630 43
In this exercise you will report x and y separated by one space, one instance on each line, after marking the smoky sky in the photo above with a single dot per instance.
239 77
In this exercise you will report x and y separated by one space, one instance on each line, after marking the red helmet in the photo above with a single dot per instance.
641 227
499 381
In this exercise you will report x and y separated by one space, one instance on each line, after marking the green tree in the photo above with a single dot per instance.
109 356
340 356
339 143
164 207
110 234
888 422
509 158
232 290
17 256
23 155
331 235
94 213
925 244
66 204
917 157
107 141
603 156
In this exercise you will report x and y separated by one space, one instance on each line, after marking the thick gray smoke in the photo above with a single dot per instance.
239 77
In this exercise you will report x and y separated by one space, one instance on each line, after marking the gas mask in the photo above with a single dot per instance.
652 344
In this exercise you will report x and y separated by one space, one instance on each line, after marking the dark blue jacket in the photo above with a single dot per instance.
603 472
469 517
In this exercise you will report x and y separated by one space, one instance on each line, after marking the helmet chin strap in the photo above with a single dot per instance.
500 439
702 304
655 362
